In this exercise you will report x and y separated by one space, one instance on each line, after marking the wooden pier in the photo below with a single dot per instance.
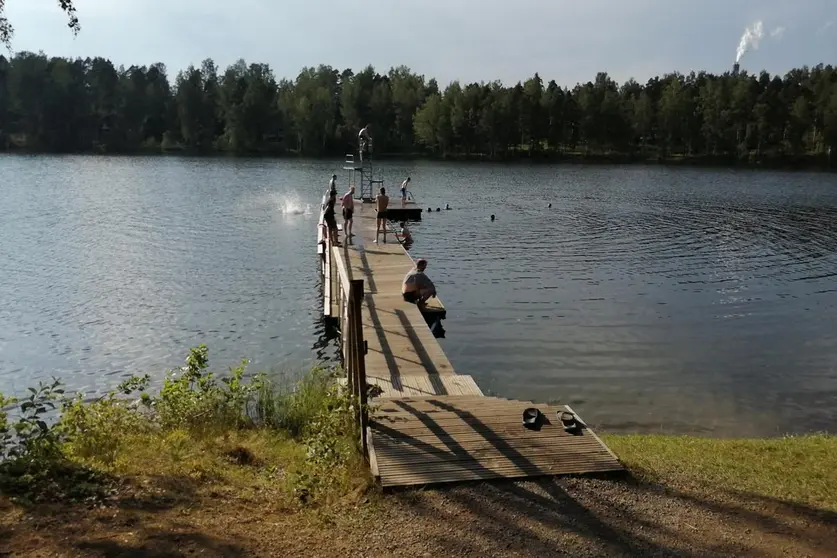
427 424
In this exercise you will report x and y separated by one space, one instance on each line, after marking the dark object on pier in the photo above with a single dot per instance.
434 318
533 418
437 330
571 425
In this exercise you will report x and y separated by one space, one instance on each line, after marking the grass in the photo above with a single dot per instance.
237 465
200 432
798 469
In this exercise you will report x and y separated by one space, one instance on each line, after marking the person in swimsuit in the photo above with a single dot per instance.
417 287
347 202
329 219
404 191
381 204
364 140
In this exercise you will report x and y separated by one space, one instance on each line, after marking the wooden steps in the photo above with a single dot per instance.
433 440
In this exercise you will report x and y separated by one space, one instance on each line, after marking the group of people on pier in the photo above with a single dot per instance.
417 287
347 205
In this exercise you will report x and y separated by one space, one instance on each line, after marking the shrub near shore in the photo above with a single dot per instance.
234 466
232 431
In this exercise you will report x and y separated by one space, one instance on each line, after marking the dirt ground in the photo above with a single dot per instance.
551 517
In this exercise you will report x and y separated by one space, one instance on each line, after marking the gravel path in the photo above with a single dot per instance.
553 517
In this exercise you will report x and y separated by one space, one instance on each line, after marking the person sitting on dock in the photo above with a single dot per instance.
405 237
417 286
404 191
347 202
381 204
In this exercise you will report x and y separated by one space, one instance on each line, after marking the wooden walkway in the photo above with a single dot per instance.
429 425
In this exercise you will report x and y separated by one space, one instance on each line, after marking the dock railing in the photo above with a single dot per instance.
349 295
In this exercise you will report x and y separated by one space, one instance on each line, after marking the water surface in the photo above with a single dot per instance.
652 299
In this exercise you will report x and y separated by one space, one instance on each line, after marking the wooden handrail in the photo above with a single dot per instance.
342 270
359 353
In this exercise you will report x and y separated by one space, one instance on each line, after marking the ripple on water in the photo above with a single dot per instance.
648 295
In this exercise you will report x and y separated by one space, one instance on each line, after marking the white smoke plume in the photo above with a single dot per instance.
750 40
777 33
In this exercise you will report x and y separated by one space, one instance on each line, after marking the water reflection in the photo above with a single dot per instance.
649 298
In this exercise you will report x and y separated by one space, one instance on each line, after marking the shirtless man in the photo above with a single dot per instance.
404 191
348 204
417 287
381 204
363 141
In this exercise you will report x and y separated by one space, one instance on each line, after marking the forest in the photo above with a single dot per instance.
53 104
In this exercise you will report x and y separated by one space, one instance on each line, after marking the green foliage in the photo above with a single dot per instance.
58 104
94 430
193 398
28 436
32 462
795 468
323 418
57 446
295 409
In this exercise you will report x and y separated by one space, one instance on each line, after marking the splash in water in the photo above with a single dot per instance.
292 205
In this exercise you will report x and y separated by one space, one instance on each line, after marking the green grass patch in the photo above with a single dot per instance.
201 431
798 469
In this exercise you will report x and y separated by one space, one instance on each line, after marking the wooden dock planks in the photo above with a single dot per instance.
429 425
448 439
399 342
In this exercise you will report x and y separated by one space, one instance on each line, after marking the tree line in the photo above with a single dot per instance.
89 105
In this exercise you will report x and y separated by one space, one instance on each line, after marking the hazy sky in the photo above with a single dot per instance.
473 40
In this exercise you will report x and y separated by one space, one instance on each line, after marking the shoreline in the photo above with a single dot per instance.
812 163
241 467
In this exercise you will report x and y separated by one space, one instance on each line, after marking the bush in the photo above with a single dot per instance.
192 412
192 398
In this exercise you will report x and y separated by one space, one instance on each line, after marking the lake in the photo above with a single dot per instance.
651 299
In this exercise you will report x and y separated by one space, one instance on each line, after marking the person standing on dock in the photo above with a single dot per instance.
381 204
332 189
417 286
404 191
330 220
347 202
363 141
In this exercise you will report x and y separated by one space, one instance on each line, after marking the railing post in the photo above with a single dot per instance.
356 302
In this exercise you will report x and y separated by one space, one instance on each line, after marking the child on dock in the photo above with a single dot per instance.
405 237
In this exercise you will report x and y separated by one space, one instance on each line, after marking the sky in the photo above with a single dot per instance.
467 40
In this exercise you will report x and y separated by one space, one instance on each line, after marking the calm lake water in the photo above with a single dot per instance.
651 299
